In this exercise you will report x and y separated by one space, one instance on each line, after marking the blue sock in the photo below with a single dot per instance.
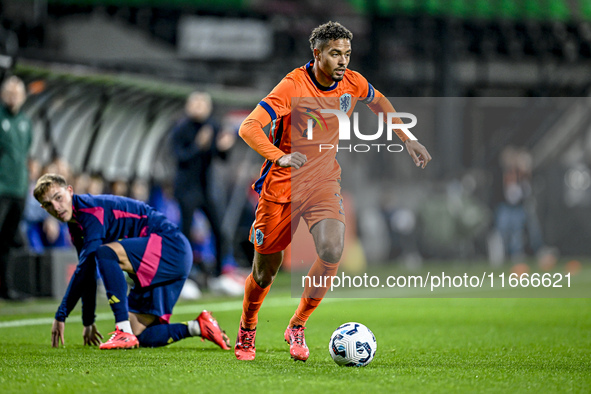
163 334
114 280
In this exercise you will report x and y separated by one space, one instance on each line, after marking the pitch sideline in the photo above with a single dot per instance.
183 309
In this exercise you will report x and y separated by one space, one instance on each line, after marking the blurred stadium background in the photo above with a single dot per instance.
107 80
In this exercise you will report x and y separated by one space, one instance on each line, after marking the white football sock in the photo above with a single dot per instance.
194 328
124 326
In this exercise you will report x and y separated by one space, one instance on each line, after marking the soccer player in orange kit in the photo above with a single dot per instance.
304 181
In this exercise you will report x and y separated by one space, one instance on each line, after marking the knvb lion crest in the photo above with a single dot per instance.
259 236
345 102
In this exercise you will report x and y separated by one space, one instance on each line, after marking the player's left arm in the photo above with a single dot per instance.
82 284
377 102
90 334
86 242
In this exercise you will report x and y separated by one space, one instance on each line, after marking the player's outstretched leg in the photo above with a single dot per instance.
204 326
210 330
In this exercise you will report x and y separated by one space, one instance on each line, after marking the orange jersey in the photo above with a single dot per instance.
292 106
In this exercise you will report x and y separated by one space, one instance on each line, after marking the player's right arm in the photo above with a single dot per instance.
251 131
276 105
82 285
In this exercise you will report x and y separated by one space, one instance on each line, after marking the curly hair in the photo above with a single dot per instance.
329 31
45 182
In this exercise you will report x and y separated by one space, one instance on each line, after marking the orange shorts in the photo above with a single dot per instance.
275 223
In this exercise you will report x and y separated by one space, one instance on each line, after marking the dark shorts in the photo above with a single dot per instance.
162 263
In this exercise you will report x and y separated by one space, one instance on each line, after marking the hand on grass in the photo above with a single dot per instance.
91 336
57 333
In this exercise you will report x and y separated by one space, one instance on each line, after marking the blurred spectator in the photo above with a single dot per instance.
401 224
60 166
81 183
33 212
461 218
119 187
96 185
196 141
203 244
243 247
162 198
42 231
14 148
515 215
140 190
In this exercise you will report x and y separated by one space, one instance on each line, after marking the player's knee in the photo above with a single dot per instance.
104 253
263 278
331 252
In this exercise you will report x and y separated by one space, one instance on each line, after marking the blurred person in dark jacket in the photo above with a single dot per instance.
196 140
15 141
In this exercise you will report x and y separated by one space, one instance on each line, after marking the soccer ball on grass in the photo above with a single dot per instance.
352 345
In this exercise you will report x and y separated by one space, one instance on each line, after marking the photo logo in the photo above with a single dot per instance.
316 118
345 124
345 128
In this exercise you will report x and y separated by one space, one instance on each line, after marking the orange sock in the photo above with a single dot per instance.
253 299
313 295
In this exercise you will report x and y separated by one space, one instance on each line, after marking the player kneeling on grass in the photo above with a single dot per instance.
116 234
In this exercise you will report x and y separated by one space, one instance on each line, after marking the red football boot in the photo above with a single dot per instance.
244 348
297 343
120 340
210 330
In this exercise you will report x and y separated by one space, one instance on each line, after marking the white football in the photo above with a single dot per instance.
352 345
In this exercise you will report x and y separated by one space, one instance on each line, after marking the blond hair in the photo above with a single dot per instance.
45 182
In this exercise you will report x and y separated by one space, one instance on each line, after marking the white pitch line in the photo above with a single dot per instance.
26 322
183 309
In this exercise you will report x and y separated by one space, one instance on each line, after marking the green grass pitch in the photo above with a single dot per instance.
424 345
